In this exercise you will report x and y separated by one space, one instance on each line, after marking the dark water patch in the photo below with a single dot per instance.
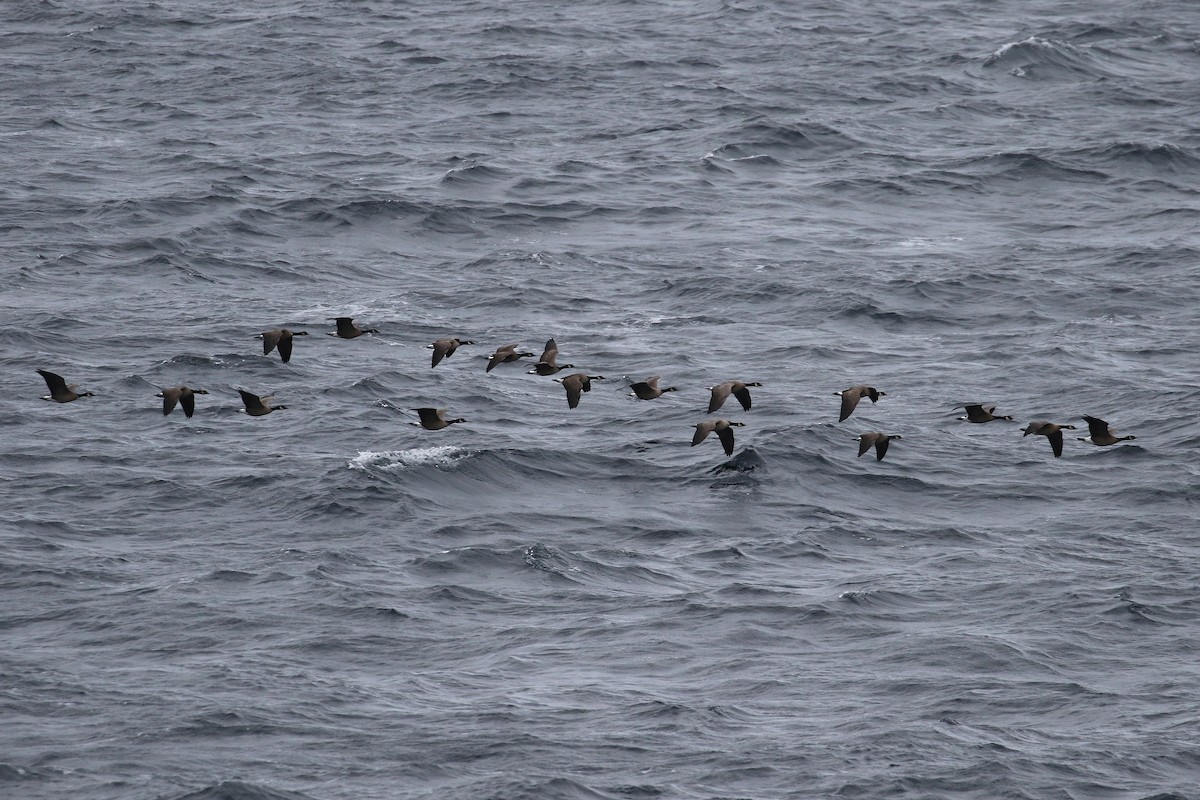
320 508
920 85
12 773
237 790
381 207
659 710
529 216
721 555
478 563
745 606
49 322
610 573
383 613
533 788
938 182
1025 166
664 535
459 595
231 576
638 791
1185 214
746 461
858 312
769 138
1136 158
547 559
746 287
423 60
1129 608
1090 31
47 577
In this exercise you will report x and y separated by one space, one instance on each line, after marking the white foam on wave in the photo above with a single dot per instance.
1004 48
712 155
442 456
920 244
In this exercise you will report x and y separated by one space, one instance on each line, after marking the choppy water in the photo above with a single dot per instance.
954 202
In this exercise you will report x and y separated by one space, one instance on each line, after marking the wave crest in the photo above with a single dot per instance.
1037 58
441 457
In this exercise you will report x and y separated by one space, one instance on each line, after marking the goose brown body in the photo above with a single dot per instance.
721 392
503 355
60 390
346 329
434 419
548 363
576 384
1100 434
648 389
1051 431
877 440
280 338
444 348
257 406
722 427
851 396
182 396
981 413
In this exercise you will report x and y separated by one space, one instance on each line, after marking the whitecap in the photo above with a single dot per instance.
442 456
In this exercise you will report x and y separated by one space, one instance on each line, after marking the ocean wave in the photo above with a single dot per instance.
438 456
1159 158
474 174
237 790
457 612
765 141
15 772
528 787
1037 58
880 189
1026 165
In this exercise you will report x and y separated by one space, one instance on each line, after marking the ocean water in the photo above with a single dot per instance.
953 202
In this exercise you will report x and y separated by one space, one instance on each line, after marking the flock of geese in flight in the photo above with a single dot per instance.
576 384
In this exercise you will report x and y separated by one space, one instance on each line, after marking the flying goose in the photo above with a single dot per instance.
258 406
346 329
181 395
503 354
1051 431
281 338
60 390
434 419
977 413
851 396
877 440
721 392
444 348
548 363
1100 434
547 368
648 389
576 384
724 429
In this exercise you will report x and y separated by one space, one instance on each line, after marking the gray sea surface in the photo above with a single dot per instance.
954 202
